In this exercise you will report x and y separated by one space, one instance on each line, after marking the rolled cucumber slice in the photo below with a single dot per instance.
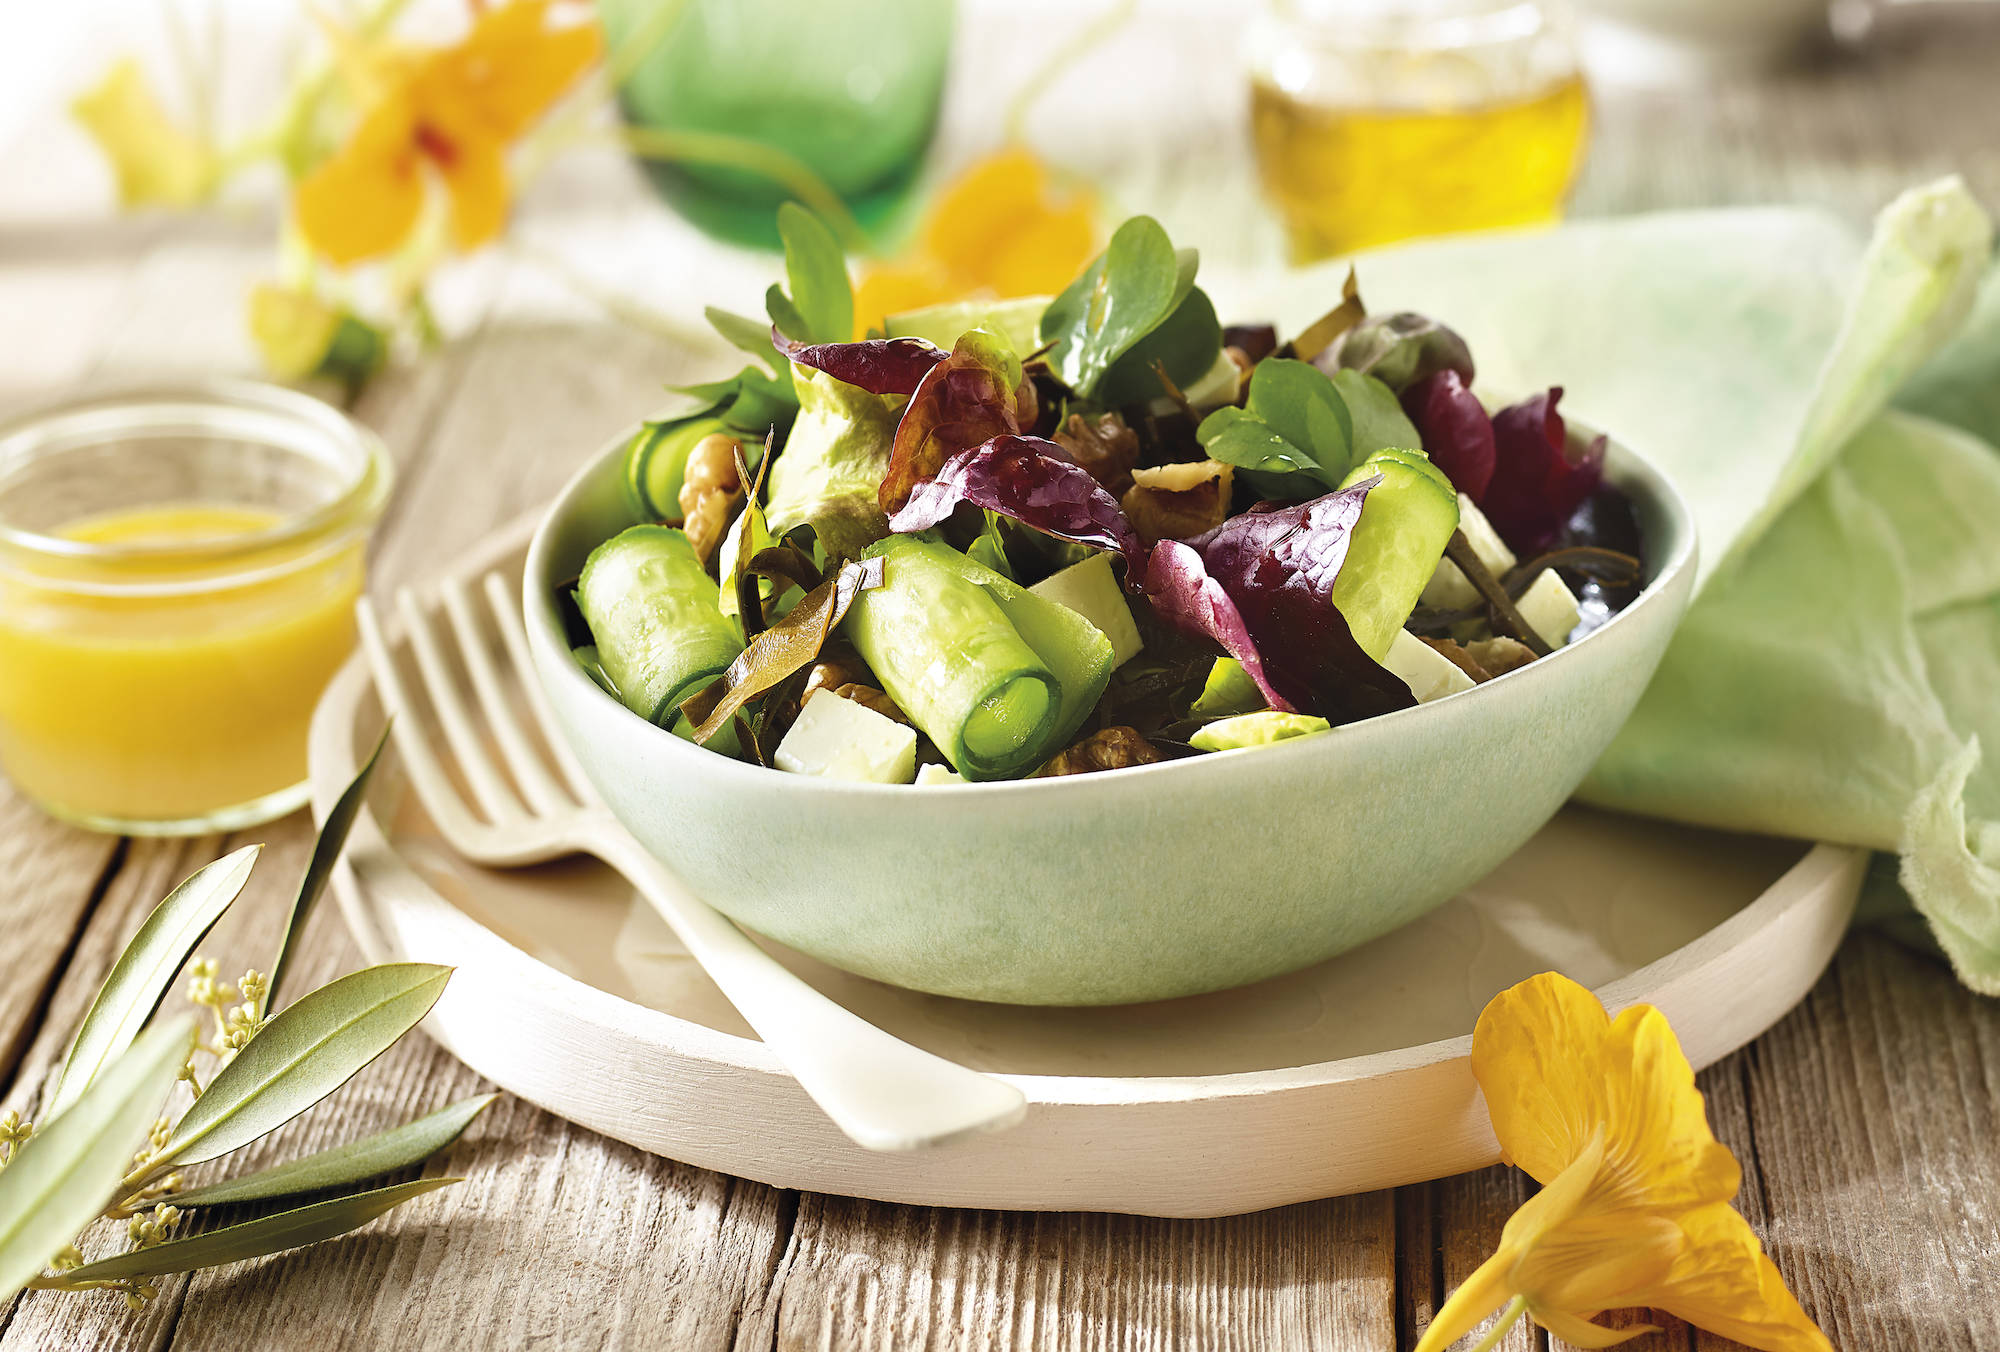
655 614
656 464
997 677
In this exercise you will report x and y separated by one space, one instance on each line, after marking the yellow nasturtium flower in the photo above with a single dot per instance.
157 161
1001 229
1635 1209
452 112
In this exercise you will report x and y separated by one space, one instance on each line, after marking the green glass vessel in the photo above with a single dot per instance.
850 88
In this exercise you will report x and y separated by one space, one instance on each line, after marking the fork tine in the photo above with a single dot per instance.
506 609
529 772
440 796
492 792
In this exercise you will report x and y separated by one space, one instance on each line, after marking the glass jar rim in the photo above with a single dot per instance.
125 411
1438 26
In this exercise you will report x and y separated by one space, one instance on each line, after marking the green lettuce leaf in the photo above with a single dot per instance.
832 465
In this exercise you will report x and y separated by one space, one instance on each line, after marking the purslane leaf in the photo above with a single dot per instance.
331 841
1186 344
67 1172
822 299
253 1239
357 1161
307 1051
1307 409
1127 291
1295 422
146 968
1379 423
746 335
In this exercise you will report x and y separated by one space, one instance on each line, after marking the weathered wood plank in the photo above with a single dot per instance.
872 1275
1875 1113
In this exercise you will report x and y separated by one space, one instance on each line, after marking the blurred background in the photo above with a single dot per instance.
1260 132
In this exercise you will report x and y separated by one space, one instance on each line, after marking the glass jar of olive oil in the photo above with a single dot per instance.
1378 120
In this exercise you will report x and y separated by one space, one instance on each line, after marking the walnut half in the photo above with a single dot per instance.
1111 748
1173 502
710 490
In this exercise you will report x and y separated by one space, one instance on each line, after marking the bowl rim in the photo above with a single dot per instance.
1624 467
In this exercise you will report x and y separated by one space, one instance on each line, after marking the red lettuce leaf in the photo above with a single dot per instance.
1185 596
1260 584
1536 486
1034 482
877 365
1457 434
966 400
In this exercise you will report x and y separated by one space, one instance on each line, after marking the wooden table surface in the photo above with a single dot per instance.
1868 1121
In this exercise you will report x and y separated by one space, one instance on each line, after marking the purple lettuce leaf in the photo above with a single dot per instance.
1034 482
877 365
1536 486
1260 585
1457 434
1185 596
969 398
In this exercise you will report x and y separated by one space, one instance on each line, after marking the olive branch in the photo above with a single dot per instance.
251 1066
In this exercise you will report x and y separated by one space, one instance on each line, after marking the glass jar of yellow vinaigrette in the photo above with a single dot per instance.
1380 120
178 572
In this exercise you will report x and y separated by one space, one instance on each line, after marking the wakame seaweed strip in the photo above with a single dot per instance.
997 683
655 614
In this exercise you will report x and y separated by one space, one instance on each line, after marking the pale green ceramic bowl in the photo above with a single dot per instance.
1138 884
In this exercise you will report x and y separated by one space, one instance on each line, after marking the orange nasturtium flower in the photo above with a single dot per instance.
1635 1209
452 111
1001 229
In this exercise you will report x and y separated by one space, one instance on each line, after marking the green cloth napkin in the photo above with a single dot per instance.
1839 669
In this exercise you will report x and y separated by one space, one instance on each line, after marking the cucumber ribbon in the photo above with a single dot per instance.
998 677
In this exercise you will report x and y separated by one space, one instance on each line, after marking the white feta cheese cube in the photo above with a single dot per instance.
1091 590
1428 672
836 738
1448 588
1549 608
939 774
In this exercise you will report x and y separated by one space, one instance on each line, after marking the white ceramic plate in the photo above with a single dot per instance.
1342 1078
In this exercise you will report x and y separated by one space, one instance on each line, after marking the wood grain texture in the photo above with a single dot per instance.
1866 1120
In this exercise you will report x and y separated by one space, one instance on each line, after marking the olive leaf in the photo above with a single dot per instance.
307 1051
1129 290
146 968
61 1177
820 308
255 1238
372 1156
331 841
747 335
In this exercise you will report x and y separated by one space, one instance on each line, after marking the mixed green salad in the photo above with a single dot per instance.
1052 536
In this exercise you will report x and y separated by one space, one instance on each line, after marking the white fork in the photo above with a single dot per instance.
883 1092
